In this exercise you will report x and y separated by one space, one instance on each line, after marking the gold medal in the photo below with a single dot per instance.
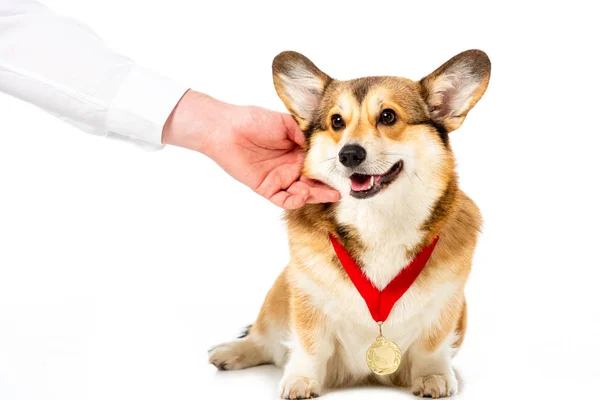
383 356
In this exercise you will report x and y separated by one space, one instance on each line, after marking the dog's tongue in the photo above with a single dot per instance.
360 183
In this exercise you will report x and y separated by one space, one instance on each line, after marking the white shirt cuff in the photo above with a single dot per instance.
141 107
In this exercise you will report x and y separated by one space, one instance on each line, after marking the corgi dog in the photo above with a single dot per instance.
383 143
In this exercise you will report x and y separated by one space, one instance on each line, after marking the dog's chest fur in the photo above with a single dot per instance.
349 321
385 254
387 233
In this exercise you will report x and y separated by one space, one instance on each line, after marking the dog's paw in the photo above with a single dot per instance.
234 355
299 387
434 386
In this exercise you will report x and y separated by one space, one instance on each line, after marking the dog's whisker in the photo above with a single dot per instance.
328 159
386 153
418 177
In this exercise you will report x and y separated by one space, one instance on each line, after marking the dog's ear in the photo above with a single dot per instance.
300 84
453 89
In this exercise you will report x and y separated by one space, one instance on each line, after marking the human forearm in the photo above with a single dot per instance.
61 66
196 120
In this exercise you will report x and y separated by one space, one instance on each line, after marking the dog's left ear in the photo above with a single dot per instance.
453 89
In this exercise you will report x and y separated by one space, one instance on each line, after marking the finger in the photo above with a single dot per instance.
299 187
290 201
281 176
299 193
293 130
320 192
318 195
314 183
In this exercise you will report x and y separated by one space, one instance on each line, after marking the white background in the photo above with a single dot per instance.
119 268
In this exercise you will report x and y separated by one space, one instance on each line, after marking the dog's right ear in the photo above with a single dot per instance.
300 84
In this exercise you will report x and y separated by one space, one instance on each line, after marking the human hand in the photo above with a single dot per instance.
258 147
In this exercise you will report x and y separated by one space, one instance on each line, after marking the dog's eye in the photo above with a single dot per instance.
387 117
337 122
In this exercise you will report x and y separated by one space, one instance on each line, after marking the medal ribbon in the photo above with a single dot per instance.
380 303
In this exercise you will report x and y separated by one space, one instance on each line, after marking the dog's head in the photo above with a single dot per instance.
366 136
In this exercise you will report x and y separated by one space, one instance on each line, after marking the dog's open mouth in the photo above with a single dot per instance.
364 186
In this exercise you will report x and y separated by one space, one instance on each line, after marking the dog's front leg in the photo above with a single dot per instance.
431 367
431 354
311 346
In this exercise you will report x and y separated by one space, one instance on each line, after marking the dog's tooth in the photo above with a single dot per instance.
372 182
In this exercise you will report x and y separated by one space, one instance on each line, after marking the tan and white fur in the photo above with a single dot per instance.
314 323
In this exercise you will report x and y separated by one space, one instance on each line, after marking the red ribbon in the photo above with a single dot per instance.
380 303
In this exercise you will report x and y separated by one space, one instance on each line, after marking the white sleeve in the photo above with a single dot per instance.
61 66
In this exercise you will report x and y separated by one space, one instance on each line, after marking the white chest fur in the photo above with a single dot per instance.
387 233
388 225
350 323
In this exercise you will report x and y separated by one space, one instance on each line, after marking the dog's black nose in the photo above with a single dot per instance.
352 155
